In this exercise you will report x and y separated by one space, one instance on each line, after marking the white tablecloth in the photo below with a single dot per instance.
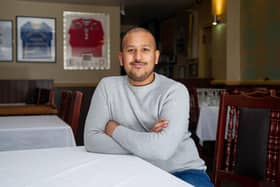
74 167
207 123
31 132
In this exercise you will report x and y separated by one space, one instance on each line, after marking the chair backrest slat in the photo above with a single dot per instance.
74 117
273 146
65 104
237 113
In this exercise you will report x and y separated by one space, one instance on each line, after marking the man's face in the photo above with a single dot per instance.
139 57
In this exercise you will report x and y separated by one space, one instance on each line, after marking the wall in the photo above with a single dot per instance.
219 50
246 45
211 49
260 39
204 26
12 70
219 46
233 40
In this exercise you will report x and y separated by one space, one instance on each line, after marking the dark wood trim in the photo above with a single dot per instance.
74 84
7 110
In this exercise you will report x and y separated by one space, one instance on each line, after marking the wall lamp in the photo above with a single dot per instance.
215 20
218 9
122 8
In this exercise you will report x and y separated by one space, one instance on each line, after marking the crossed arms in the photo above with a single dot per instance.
106 135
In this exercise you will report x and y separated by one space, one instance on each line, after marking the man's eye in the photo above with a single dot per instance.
146 49
130 50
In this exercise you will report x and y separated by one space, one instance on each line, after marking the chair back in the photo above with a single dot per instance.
248 139
45 96
74 116
65 104
194 106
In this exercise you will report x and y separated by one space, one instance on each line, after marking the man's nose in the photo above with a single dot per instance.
138 55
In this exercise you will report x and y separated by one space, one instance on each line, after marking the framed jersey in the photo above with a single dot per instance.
86 41
6 44
36 41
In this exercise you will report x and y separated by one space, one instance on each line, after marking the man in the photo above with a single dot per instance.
144 114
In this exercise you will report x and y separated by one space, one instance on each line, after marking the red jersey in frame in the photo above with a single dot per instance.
86 37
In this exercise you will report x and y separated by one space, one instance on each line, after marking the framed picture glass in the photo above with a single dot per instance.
6 44
36 39
86 41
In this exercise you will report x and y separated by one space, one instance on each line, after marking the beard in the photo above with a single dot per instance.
141 75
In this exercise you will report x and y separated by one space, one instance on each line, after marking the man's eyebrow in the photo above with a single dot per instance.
148 45
145 45
129 45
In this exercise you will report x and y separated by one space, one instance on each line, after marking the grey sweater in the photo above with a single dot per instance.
137 109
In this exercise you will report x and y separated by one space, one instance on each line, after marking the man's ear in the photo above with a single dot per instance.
120 58
157 56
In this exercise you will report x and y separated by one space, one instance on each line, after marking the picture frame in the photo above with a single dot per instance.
36 39
6 40
86 41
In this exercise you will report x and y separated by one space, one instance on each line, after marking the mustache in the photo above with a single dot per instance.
138 62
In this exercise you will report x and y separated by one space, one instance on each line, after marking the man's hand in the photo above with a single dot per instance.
159 125
110 127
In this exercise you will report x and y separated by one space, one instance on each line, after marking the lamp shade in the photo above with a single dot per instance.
218 7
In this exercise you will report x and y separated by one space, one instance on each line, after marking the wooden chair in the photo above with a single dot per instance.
45 96
205 152
248 140
194 108
65 104
74 114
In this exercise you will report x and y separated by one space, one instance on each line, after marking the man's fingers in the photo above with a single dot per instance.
160 125
162 121
158 129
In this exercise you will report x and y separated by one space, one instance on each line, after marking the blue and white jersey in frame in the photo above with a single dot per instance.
36 40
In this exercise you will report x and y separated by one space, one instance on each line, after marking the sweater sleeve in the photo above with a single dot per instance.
98 115
162 145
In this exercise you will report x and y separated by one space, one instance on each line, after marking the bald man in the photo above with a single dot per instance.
144 113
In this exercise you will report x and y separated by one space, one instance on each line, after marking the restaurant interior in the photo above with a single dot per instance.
223 51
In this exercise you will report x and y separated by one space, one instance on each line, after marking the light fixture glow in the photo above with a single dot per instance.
218 9
122 9
215 21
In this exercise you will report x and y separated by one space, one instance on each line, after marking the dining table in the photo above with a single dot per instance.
74 166
33 132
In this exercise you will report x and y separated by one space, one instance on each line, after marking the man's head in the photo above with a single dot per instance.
139 56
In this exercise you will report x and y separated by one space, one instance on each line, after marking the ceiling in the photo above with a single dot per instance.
140 11
156 10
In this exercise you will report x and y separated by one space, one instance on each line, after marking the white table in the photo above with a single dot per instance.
31 132
207 123
73 167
